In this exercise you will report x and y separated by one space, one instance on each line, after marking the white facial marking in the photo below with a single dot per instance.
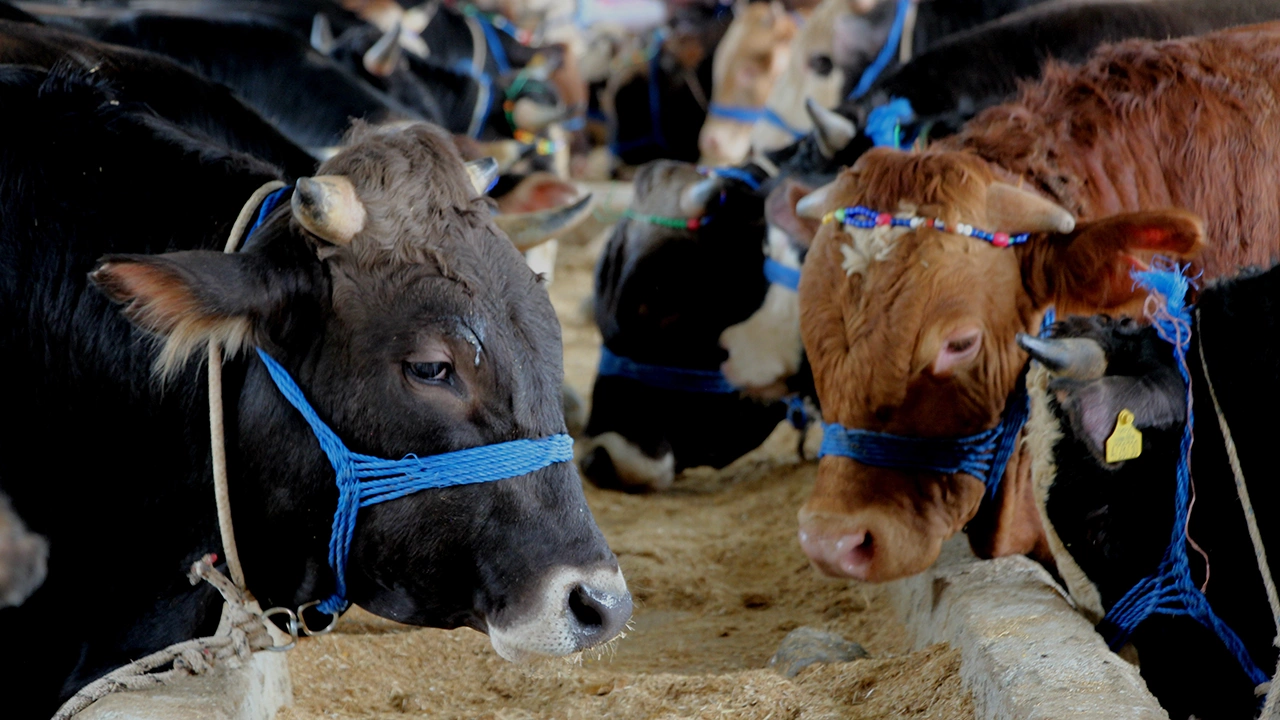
551 629
766 348
868 245
633 467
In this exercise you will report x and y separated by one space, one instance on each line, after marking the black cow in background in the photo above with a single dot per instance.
462 351
1114 520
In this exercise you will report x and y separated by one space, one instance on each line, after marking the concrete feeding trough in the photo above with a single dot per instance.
1026 654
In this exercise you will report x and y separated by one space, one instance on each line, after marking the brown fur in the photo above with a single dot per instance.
1141 127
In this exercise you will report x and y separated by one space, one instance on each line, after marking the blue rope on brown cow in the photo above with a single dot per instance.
1170 590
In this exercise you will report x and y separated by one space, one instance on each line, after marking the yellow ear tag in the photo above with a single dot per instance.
1125 442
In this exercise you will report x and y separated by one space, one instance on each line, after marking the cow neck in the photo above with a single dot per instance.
1170 589
984 455
362 480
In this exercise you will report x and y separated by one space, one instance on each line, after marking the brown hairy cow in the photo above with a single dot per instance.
911 332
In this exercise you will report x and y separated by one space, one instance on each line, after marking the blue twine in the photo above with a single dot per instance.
464 66
797 415
655 136
1170 590
886 53
494 42
268 204
983 455
736 113
777 121
365 480
733 173
779 274
884 123
663 377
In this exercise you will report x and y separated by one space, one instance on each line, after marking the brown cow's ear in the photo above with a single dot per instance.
188 298
1088 269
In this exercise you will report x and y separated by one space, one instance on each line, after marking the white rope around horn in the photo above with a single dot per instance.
244 628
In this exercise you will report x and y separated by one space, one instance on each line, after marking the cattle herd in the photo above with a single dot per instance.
1011 258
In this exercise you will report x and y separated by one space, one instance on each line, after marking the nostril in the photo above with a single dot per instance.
855 552
587 610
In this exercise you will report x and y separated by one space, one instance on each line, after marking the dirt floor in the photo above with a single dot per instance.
718 579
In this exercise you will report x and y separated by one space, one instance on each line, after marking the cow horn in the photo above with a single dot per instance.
506 152
482 173
534 116
321 34
814 205
832 130
528 230
381 59
1076 358
328 207
694 199
1014 209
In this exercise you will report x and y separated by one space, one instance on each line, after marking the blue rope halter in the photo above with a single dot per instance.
655 136
1170 590
663 377
779 274
365 480
884 122
886 53
736 113
776 120
733 173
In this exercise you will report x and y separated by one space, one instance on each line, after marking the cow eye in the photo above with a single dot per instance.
959 346
821 64
429 372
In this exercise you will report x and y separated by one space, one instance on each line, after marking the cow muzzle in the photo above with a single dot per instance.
575 610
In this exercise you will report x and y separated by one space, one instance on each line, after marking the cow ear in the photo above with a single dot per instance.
780 211
188 298
1089 267
1093 407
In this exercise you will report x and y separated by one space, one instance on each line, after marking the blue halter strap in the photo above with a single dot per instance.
886 53
365 480
1170 590
779 274
776 120
884 122
733 173
663 377
736 113
655 136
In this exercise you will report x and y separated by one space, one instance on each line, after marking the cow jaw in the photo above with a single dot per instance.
575 610
849 528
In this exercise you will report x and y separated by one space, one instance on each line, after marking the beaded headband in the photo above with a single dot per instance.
678 223
866 218
541 146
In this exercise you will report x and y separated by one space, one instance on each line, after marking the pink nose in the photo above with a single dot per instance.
844 554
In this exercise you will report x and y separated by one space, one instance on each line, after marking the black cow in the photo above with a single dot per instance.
1114 520
656 303
410 324
24 557
200 107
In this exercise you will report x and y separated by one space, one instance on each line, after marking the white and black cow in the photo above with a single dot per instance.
383 289
1112 522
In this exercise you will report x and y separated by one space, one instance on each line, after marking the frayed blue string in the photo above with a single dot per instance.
886 53
465 67
268 204
779 274
663 377
1170 590
365 480
884 123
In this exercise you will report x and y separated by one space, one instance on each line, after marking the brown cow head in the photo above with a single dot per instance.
912 332
748 61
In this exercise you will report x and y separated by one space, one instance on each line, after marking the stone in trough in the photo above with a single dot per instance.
805 646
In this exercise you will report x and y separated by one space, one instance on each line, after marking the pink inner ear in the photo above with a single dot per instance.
958 348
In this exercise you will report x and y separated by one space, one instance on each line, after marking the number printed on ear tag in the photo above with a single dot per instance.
1125 442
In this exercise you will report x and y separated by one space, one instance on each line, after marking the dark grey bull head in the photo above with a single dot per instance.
413 326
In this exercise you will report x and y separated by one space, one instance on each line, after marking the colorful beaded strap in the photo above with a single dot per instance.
678 223
541 146
864 217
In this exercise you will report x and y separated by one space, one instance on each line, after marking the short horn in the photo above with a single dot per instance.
482 173
506 152
814 205
528 230
534 116
694 199
329 208
381 59
321 34
1013 209
832 130
1076 358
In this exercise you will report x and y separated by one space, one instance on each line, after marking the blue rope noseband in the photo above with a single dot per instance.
1170 590
365 480
779 274
663 377
779 122
736 113
886 53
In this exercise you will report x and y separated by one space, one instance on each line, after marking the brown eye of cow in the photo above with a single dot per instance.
429 371
959 346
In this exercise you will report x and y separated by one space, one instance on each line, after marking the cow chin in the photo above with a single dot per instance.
724 142
874 524
611 461
575 610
